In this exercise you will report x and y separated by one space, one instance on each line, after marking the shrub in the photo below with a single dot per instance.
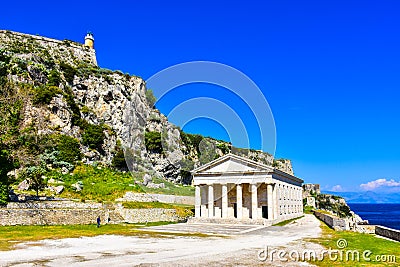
152 141
5 166
195 140
69 72
151 99
93 136
85 110
76 114
118 162
54 78
344 211
154 118
44 94
53 158
223 147
3 193
4 60
68 148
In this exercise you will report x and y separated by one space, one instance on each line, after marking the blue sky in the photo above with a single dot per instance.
330 70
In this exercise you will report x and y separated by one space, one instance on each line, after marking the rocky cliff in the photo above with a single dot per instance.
56 101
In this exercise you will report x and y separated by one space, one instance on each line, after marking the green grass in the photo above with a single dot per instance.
105 184
170 189
308 210
99 183
357 241
11 235
283 223
152 205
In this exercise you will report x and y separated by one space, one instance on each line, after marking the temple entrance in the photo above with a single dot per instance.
265 212
235 210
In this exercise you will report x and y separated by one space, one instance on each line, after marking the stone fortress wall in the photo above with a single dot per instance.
70 212
68 51
387 232
343 224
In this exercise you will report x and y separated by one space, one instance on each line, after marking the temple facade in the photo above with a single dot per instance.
234 188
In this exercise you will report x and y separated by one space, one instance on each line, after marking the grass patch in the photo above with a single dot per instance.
359 242
308 210
170 188
106 184
11 235
152 205
99 183
283 223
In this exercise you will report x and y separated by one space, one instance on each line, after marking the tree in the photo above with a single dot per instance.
152 141
69 149
93 136
118 162
35 177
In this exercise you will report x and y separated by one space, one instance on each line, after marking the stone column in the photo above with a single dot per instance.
203 207
197 201
275 189
210 201
239 201
224 192
270 202
254 201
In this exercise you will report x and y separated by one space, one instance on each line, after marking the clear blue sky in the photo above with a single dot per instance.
330 70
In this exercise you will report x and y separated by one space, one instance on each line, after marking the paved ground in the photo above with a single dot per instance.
240 248
207 228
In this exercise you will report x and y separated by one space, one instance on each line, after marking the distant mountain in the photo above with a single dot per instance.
367 197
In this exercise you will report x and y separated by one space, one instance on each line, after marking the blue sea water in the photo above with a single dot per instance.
382 214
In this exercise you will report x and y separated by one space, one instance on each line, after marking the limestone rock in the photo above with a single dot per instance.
78 186
24 185
147 179
64 170
155 186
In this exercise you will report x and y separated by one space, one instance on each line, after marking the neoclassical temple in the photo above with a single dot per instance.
236 188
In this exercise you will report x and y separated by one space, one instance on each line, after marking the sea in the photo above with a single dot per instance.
379 214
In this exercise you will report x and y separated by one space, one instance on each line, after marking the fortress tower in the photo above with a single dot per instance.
89 40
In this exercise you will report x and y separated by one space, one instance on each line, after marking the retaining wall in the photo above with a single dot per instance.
387 232
149 215
333 221
69 212
145 197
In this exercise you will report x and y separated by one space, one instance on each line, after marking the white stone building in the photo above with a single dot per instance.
236 189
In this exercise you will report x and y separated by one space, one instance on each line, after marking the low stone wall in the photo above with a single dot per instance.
54 205
149 215
49 216
69 212
387 232
365 228
145 197
333 221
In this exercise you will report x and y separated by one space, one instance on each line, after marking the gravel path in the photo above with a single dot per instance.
240 246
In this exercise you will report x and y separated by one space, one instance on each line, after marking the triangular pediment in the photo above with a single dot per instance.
232 163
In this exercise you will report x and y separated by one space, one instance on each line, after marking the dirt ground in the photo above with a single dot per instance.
227 245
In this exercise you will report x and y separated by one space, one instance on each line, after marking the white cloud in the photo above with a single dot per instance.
379 183
337 188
